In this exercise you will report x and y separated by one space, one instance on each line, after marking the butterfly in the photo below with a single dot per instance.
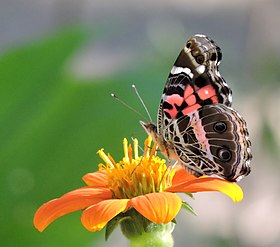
196 125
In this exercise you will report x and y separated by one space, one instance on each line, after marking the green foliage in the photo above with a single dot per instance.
51 127
114 223
46 122
188 207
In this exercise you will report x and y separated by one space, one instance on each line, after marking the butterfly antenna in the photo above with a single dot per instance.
127 105
142 102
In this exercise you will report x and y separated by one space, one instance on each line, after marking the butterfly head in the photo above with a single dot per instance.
151 129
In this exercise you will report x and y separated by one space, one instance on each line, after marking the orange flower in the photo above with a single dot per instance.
144 183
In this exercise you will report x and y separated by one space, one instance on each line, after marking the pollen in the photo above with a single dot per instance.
136 175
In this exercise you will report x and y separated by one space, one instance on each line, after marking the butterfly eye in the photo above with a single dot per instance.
220 127
200 59
189 43
224 154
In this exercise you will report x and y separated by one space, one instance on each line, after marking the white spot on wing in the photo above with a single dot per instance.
177 70
187 50
188 72
200 35
230 98
200 69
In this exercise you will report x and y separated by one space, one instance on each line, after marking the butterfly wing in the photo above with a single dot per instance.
195 103
196 125
194 81
212 140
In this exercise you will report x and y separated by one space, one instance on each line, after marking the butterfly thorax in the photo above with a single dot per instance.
165 147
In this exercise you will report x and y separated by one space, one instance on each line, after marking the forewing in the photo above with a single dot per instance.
194 81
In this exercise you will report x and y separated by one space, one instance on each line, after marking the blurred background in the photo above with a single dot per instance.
59 62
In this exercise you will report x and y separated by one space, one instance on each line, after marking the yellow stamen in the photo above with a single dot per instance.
105 157
135 146
134 176
130 153
148 143
125 149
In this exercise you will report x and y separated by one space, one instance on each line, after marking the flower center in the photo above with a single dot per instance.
134 176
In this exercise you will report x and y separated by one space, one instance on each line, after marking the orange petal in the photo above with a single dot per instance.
96 179
209 184
158 207
97 216
86 191
70 202
181 175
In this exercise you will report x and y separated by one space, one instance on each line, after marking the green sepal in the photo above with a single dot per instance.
188 207
113 223
174 221
189 194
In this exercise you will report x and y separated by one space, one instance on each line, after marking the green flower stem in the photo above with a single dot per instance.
153 239
143 233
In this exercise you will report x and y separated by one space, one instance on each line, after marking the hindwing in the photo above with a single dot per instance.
212 140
